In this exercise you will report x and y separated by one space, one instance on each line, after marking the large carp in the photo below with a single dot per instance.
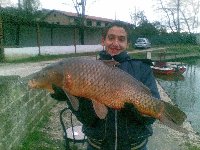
106 86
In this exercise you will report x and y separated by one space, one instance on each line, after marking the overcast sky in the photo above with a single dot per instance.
119 9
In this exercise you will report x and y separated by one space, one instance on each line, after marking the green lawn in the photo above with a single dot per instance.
46 57
170 51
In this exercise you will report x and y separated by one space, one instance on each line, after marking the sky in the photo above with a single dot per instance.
111 9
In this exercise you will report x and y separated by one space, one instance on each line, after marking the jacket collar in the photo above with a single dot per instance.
121 57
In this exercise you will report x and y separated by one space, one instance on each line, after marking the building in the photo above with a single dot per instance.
51 28
89 32
69 18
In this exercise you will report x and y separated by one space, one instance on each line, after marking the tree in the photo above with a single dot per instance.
80 9
80 6
28 10
180 15
2 55
138 17
146 29
30 6
159 27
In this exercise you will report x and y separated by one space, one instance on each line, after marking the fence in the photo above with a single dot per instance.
20 111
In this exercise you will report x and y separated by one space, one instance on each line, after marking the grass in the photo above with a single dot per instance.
46 57
172 51
184 49
38 139
192 147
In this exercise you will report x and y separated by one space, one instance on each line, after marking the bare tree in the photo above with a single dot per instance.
80 9
168 12
181 15
80 6
4 3
191 14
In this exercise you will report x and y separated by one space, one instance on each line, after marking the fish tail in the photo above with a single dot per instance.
173 117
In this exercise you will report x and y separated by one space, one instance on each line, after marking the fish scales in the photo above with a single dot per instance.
101 84
95 80
107 86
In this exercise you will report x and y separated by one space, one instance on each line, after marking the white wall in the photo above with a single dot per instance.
55 50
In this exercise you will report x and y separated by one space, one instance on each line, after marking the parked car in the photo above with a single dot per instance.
142 43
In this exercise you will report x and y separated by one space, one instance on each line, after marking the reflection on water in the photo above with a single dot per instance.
185 92
178 77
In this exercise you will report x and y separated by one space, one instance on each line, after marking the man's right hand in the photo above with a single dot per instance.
58 94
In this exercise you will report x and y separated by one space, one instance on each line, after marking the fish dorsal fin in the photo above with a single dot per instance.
111 63
100 109
74 101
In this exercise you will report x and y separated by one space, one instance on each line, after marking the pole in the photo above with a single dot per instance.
178 19
38 37
2 55
81 18
83 7
82 22
75 39
19 4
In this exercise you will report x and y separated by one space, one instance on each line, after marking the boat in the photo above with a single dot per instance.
168 68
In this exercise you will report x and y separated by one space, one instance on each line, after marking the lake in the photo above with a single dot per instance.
184 90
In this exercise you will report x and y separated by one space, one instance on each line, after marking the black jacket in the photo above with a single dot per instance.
131 126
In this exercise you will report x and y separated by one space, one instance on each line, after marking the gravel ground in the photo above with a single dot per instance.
22 69
164 138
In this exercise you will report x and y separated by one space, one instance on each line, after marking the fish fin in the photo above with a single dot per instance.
100 109
74 101
173 117
111 63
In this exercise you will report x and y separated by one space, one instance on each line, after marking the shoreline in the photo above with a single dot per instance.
166 138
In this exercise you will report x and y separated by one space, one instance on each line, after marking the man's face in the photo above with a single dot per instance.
115 41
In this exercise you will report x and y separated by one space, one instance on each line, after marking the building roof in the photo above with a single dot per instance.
71 14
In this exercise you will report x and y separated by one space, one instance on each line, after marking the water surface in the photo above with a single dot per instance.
185 91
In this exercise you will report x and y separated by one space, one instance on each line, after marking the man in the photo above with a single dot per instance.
124 129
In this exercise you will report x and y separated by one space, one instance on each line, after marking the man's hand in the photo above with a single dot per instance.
58 94
131 112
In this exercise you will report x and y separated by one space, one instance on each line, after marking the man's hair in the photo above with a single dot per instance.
121 24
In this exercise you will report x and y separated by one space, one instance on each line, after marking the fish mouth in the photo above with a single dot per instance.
33 84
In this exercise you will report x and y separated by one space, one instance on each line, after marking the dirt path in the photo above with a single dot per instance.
22 69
